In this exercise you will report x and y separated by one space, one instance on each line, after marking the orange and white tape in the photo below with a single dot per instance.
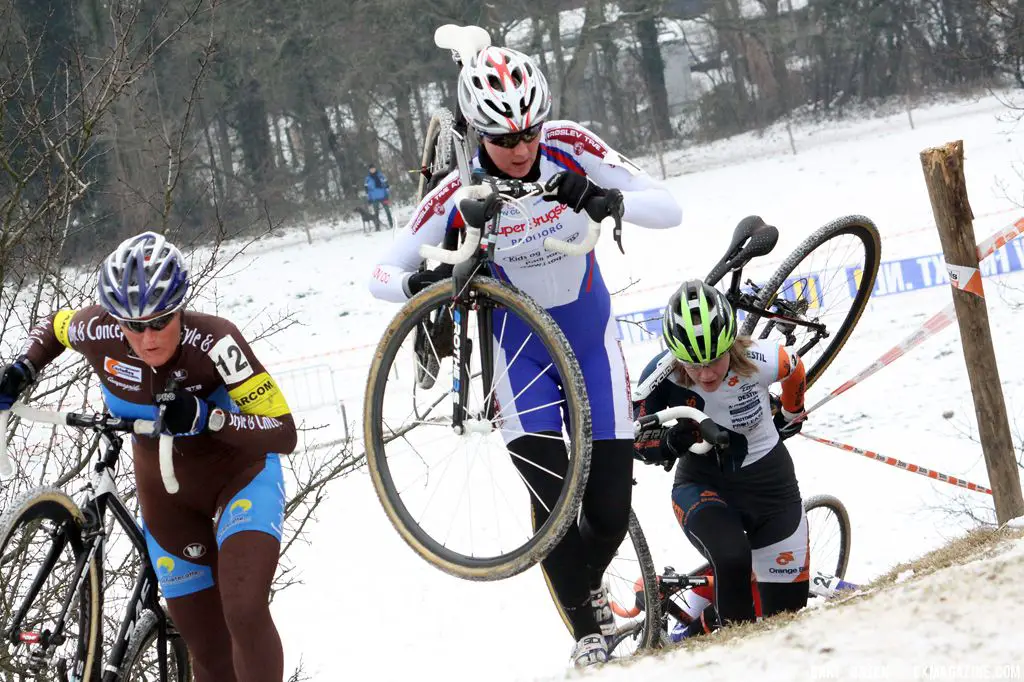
965 278
932 325
900 464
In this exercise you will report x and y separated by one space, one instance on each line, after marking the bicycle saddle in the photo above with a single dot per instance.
751 238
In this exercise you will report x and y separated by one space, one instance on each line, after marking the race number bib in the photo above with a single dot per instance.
231 362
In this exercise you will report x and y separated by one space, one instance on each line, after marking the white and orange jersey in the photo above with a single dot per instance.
552 279
741 404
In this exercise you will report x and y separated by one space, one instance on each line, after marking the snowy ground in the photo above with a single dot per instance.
915 630
370 609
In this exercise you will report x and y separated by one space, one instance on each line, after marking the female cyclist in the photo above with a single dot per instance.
505 98
739 505
214 544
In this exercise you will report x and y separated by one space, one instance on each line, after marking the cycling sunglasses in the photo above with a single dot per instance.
154 323
511 140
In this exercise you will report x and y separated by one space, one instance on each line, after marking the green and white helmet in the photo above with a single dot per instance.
699 324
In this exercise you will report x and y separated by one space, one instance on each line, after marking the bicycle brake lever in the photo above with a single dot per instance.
158 424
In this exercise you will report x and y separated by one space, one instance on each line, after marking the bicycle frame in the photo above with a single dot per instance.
101 496
145 596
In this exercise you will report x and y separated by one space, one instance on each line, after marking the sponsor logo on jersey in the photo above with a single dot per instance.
257 392
195 338
91 330
179 374
665 366
784 558
241 506
784 571
166 563
756 355
194 550
551 216
579 139
435 203
124 385
122 371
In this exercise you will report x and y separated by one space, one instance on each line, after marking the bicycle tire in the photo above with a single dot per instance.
54 505
845 531
810 503
649 627
145 635
439 159
858 226
564 511
438 155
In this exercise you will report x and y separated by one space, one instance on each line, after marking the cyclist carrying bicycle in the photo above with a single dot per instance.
505 98
214 544
740 505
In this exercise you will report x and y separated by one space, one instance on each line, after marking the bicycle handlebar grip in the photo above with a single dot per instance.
453 257
648 419
585 246
713 433
31 414
6 468
167 464
144 427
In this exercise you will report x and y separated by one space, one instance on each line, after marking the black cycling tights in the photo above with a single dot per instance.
717 532
228 628
577 563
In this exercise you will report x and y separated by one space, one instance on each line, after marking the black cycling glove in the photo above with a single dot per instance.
185 414
16 378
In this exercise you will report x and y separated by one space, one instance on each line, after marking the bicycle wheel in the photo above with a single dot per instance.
142 654
438 156
57 607
828 279
478 526
632 588
438 160
829 535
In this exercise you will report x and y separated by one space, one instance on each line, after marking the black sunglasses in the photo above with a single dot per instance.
156 323
511 140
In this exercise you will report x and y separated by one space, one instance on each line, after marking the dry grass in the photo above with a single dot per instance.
977 544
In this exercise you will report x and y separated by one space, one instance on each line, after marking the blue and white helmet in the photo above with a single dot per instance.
145 276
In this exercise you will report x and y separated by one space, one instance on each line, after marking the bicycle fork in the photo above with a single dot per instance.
46 641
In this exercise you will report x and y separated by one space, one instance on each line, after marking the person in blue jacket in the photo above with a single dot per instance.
378 194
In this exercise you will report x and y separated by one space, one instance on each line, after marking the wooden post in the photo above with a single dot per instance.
947 188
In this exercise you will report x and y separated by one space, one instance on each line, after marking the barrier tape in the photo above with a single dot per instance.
966 278
900 464
931 326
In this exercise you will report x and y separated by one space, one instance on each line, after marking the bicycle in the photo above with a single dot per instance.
793 300
53 548
661 594
446 147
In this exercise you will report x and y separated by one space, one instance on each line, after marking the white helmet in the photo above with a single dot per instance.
502 91
145 275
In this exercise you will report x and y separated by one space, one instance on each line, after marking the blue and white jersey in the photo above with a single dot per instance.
570 288
552 279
